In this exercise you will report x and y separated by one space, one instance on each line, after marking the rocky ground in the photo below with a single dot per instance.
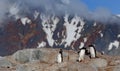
44 59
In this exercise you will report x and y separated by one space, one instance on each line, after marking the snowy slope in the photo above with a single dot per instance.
64 31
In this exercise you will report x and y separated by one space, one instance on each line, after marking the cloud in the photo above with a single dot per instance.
4 6
66 1
18 8
102 14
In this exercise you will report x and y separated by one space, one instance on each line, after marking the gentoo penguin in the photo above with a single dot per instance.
92 51
81 54
60 56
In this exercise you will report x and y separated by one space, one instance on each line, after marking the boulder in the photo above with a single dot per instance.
30 55
23 68
114 62
81 67
99 62
116 68
4 62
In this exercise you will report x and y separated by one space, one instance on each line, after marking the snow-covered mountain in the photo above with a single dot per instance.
68 31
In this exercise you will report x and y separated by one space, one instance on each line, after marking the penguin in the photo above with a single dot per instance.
92 51
60 56
81 54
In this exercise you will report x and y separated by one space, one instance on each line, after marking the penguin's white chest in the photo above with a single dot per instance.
59 58
92 52
81 55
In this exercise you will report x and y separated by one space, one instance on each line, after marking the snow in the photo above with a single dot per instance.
71 27
42 44
36 14
95 24
118 36
114 44
25 20
49 25
85 39
101 34
55 21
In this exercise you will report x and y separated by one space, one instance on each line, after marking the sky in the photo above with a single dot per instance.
98 10
112 5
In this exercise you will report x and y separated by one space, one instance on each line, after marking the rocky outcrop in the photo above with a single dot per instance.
30 55
117 68
4 62
99 63
44 59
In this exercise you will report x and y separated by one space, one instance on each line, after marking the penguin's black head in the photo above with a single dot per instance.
91 46
83 48
78 52
61 51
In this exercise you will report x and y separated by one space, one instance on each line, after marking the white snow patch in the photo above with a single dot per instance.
55 21
25 20
110 46
49 25
42 44
101 34
71 27
95 24
36 14
85 39
118 36
114 44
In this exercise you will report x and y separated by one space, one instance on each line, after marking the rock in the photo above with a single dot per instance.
27 55
30 55
81 67
21 56
44 59
114 62
116 68
99 62
70 66
1 57
4 62
23 68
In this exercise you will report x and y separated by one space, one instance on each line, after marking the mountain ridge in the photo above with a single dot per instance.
66 31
